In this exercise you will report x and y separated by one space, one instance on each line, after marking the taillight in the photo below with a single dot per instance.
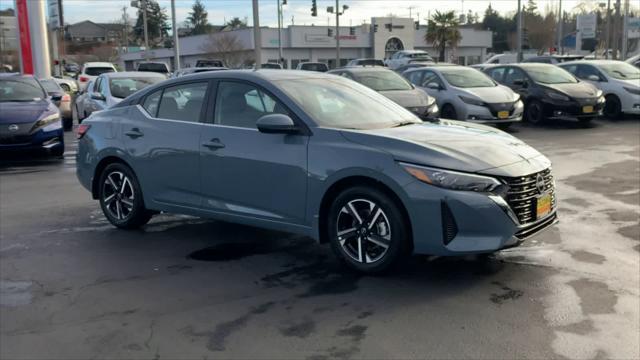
84 79
66 98
82 129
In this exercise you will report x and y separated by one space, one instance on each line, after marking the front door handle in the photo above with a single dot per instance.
214 144
134 133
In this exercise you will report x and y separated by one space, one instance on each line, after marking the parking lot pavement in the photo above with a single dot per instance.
72 286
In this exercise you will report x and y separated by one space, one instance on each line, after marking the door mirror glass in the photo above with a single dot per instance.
433 85
97 96
277 124
593 77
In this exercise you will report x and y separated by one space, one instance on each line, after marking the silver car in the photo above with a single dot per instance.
111 88
464 93
79 109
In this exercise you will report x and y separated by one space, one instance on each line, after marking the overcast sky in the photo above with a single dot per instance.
359 10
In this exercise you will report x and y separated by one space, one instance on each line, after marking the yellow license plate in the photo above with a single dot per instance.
543 206
503 114
587 109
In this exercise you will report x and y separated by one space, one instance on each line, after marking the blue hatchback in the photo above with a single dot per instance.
29 120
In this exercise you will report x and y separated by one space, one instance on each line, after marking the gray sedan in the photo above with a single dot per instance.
395 87
317 155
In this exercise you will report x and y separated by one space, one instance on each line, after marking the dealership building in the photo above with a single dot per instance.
302 43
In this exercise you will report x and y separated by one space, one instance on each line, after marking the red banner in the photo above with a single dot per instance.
25 36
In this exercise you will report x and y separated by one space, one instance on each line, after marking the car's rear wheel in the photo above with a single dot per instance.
612 107
368 231
534 112
121 197
448 112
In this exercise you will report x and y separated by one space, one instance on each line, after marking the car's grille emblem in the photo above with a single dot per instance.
540 184
13 128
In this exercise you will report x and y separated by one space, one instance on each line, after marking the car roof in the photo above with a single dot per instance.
359 69
127 74
98 64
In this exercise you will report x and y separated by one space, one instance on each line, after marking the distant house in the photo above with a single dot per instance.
89 32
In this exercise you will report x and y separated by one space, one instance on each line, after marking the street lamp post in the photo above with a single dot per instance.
142 4
280 26
257 40
331 10
519 42
176 44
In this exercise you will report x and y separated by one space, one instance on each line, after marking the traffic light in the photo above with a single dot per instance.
314 8
375 27
352 31
417 24
330 32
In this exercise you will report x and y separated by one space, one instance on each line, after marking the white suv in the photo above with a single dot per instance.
91 70
405 57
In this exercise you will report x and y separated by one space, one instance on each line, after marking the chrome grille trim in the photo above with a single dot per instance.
523 192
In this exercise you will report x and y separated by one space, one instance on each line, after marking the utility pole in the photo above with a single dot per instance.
279 6
257 41
616 31
560 28
337 11
176 43
519 42
608 39
125 19
625 30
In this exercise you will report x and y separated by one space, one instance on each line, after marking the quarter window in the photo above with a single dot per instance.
241 105
183 102
150 104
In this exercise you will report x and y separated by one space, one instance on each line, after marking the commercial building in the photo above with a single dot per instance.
300 43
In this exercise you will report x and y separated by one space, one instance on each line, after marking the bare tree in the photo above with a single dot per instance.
228 48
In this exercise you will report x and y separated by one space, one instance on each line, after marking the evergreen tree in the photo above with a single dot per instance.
157 23
197 19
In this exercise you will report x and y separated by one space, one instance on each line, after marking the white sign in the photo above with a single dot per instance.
633 27
587 26
316 38
54 14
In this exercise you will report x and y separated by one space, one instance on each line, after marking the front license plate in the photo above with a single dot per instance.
543 206
587 109
503 114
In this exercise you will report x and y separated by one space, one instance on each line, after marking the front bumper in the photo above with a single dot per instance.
39 140
574 109
489 115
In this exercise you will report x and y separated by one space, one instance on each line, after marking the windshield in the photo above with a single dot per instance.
341 103
550 75
96 71
314 67
621 70
382 80
121 88
50 86
466 77
20 89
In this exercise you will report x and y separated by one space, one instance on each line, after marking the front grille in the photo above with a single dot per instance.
497 107
523 194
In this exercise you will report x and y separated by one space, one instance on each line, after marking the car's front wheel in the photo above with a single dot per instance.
534 112
367 229
121 197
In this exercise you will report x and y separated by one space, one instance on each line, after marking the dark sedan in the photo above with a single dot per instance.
550 92
29 120
394 87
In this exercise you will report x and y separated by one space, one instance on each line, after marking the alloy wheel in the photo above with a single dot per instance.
118 195
364 231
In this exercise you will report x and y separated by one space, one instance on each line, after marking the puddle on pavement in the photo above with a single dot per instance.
15 293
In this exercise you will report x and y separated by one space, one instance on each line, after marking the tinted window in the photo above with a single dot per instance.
96 71
50 86
153 67
20 89
183 102
382 80
514 75
241 105
497 74
415 77
151 103
123 87
315 67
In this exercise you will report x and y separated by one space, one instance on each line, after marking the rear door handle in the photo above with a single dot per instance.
214 144
134 133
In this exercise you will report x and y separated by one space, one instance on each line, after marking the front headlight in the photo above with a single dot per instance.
635 91
454 180
557 96
471 101
517 98
48 120
431 101
519 104
598 93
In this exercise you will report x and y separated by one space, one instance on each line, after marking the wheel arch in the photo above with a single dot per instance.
350 181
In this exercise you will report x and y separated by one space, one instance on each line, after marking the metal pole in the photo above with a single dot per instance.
279 4
39 40
608 38
616 31
146 34
176 43
519 42
625 31
560 27
257 41
337 34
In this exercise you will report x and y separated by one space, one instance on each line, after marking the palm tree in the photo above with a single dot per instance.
442 31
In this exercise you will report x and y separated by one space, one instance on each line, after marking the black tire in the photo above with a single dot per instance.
612 108
65 88
448 112
504 126
535 112
372 249
123 208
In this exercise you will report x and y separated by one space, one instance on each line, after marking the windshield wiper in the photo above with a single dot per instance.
404 123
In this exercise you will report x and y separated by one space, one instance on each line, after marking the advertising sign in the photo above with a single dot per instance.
587 26
54 14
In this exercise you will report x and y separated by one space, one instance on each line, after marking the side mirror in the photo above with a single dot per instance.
433 85
593 77
97 96
277 124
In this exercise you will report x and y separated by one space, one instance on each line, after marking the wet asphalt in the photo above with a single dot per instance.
72 286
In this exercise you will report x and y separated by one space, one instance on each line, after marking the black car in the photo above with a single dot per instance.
550 92
394 87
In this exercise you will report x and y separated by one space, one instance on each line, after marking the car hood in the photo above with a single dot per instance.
455 145
24 112
574 90
491 95
407 98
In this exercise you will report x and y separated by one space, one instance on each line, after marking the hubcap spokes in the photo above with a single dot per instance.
118 195
364 231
